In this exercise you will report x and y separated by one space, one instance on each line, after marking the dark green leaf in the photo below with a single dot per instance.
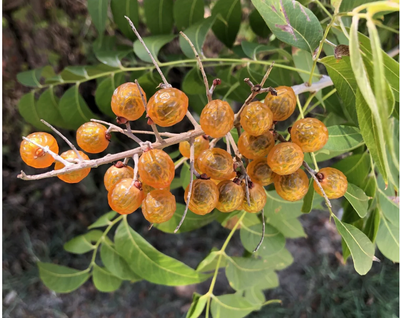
149 82
188 12
175 184
30 78
356 168
185 175
372 225
308 199
28 110
197 306
159 16
61 279
105 91
47 109
151 264
193 83
253 49
130 8
103 220
104 281
74 73
154 44
111 58
232 306
228 14
83 243
98 12
258 25
302 29
357 199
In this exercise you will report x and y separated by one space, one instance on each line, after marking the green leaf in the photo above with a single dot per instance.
227 24
280 260
290 228
149 82
74 73
105 91
192 221
111 58
98 12
255 296
372 225
308 199
188 12
47 109
185 175
253 49
197 34
232 306
277 208
268 280
159 16
130 8
30 78
28 110
193 83
104 281
387 239
357 199
209 263
74 109
103 220
115 264
356 168
302 29
361 248
258 25
83 243
151 264
349 5
175 184
197 306
61 279
154 44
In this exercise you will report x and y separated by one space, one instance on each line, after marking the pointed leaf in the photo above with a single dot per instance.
197 306
28 110
98 12
227 25
258 25
290 228
129 8
388 239
154 44
47 109
83 243
74 73
188 12
209 263
159 16
357 199
253 49
105 91
255 296
104 281
232 306
103 220
372 225
30 78
308 199
356 168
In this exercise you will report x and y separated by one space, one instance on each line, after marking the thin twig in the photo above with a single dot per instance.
131 135
313 173
262 233
191 141
126 160
115 128
192 120
166 84
228 146
136 168
64 138
267 74
325 81
214 142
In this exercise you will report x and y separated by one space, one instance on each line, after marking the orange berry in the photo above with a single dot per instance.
197 166
285 158
147 189
256 118
216 118
92 137
156 168
292 187
34 156
253 147
216 163
167 106
200 144
158 206
282 105
115 174
258 198
259 171
126 101
124 197
333 181
230 196
75 176
310 134
204 197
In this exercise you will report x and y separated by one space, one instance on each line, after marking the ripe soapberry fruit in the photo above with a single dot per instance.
125 197
156 168
253 147
258 198
115 174
34 156
285 158
216 163
230 196
204 197
147 189
292 187
167 107
92 137
216 118
310 134
201 143
75 176
158 206
283 104
126 101
333 181
259 172
256 118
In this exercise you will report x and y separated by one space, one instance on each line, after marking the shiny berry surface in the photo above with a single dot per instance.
334 183
258 198
167 106
76 176
256 118
259 172
92 138
292 187
285 158
230 196
124 197
147 189
156 168
216 163
126 101
282 105
204 196
34 156
216 118
114 175
200 144
158 206
310 134
253 147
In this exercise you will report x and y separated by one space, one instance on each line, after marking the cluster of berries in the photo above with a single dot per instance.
219 185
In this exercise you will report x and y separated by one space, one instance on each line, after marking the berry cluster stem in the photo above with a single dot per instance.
313 175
